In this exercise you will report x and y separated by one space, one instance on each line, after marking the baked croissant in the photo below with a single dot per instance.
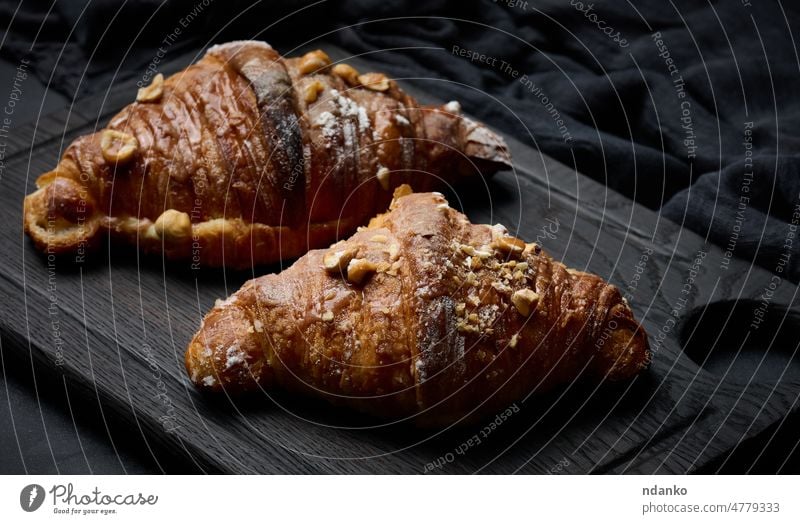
246 158
422 316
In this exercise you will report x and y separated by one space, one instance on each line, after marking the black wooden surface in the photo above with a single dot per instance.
117 328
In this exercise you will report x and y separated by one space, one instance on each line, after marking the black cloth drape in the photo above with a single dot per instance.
689 107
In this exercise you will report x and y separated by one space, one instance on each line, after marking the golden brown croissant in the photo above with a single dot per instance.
421 315
246 157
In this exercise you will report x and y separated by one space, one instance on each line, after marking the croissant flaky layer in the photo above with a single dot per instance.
246 157
421 316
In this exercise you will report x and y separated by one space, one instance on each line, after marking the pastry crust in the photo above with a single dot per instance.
266 156
422 316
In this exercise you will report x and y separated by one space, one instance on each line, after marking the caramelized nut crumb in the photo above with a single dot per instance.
153 92
347 73
327 316
117 146
374 81
525 301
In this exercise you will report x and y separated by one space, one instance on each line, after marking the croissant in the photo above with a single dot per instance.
247 158
420 316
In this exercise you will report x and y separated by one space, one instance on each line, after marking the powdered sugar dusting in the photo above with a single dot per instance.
332 125
327 122
235 356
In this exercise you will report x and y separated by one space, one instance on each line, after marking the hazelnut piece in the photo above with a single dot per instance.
337 261
347 73
153 92
312 91
314 61
117 146
359 269
374 81
509 245
173 225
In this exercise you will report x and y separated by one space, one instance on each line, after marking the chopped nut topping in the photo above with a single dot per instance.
379 238
327 316
173 225
467 249
525 300
312 91
383 177
469 328
337 261
519 275
394 251
460 308
117 146
394 269
374 81
522 266
359 269
346 72
153 92
509 245
402 190
500 287
314 61
474 300
513 342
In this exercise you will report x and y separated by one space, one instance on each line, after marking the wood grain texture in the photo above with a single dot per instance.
117 326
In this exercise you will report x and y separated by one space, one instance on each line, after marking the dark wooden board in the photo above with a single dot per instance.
117 328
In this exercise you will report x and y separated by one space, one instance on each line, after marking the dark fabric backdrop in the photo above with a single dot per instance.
663 119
